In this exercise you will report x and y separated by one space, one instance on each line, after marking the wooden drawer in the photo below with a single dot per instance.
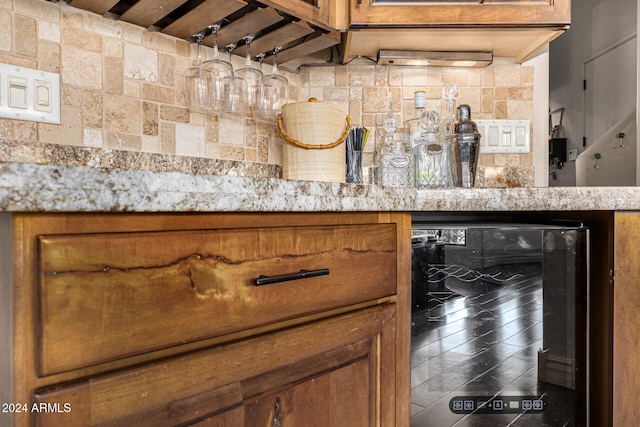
102 297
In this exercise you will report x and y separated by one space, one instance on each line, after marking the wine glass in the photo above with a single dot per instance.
219 76
238 89
274 90
196 93
252 76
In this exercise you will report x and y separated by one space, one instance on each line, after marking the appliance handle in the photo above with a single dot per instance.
302 274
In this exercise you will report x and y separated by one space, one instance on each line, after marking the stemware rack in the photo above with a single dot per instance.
270 27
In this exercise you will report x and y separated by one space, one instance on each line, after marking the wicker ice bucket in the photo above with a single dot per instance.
314 133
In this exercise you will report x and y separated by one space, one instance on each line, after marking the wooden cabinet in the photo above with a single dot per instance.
626 317
496 13
318 12
506 28
156 319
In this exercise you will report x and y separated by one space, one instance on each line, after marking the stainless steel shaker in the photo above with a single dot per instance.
465 139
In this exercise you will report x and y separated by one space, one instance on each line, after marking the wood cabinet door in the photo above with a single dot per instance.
443 13
626 318
338 371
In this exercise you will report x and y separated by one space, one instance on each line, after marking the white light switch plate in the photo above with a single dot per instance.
28 94
504 136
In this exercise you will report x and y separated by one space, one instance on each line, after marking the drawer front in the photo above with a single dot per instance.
340 366
103 297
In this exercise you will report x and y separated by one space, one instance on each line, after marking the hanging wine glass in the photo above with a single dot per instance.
196 92
274 90
237 91
219 76
252 76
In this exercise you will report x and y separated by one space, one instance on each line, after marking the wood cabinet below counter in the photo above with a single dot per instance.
156 319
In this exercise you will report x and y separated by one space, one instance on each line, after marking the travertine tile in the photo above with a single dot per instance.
342 77
488 97
49 31
81 68
92 109
37 9
140 63
507 76
113 47
149 92
113 75
132 88
229 132
6 129
322 76
25 131
122 114
74 37
519 110
69 132
150 144
25 36
49 57
166 69
71 95
189 140
5 31
92 138
174 114
123 141
230 152
150 118
414 76
168 138
97 24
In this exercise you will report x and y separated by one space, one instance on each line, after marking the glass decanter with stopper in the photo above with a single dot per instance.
396 160
433 155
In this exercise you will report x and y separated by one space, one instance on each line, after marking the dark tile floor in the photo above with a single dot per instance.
483 344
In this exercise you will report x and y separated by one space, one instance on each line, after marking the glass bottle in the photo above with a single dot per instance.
433 167
449 117
419 105
396 161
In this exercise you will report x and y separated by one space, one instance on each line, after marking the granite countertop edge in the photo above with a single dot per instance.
31 187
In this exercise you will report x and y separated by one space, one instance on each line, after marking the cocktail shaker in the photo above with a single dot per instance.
465 139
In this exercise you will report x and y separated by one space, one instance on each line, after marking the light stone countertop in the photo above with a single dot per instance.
30 187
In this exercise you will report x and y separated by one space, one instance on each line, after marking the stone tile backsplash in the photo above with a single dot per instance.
121 89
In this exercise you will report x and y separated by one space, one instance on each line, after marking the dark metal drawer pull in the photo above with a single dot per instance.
302 274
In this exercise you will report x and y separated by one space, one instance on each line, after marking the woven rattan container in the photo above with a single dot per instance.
314 135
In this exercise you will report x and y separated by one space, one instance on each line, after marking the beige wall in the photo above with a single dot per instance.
122 90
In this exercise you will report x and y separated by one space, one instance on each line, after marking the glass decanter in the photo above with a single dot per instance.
396 160
432 154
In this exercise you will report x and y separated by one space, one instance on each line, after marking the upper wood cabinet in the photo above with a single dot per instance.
477 13
317 12
513 29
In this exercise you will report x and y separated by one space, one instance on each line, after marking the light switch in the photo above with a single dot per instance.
42 96
493 136
521 136
28 94
17 92
504 136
